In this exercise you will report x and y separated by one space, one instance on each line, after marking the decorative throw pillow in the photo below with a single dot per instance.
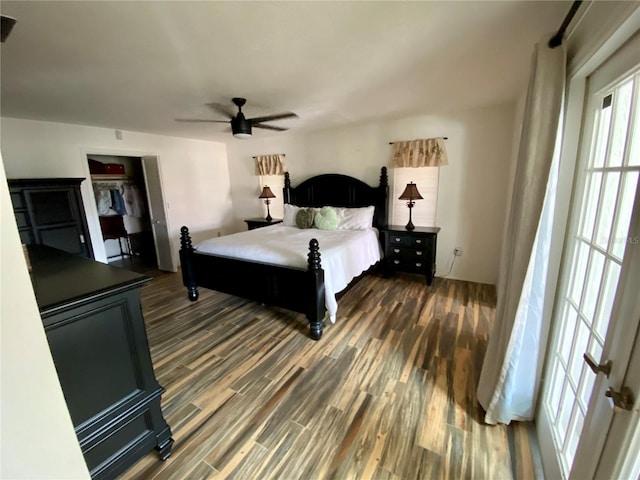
304 218
326 219
290 212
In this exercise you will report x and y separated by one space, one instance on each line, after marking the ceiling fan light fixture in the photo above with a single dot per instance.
240 126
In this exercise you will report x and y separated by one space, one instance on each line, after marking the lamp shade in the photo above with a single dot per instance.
267 193
410 193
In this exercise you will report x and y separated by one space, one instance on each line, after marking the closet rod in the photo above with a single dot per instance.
445 138
556 40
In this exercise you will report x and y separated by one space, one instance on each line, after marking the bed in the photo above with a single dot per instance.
302 286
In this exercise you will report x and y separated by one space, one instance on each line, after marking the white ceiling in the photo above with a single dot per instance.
139 65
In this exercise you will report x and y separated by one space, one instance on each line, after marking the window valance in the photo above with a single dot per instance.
270 164
429 152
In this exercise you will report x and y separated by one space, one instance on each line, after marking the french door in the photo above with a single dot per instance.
597 311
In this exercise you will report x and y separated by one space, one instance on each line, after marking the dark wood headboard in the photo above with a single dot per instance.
336 190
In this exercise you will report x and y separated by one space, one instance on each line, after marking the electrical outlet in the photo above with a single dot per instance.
458 251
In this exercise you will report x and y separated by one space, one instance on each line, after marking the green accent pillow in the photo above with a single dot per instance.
326 219
304 218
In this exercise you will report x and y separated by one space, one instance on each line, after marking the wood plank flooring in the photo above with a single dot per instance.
387 393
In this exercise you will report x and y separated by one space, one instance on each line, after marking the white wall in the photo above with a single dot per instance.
473 187
194 172
38 439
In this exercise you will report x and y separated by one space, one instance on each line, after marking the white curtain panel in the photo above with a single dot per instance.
507 384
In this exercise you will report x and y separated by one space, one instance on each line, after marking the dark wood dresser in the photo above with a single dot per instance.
93 321
412 251
49 211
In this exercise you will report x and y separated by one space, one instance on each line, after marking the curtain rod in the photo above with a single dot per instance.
556 40
274 154
445 138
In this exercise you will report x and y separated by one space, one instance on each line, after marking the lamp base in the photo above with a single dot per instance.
268 218
410 225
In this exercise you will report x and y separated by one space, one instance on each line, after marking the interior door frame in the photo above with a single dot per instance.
607 41
619 343
91 209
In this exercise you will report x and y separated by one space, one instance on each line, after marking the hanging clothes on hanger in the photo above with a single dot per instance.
103 199
117 202
133 200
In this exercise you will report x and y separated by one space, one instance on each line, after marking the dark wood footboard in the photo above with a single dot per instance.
295 289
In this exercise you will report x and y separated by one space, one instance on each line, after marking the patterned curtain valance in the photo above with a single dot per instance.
270 164
429 152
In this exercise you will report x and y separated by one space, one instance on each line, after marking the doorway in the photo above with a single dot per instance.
123 208
597 311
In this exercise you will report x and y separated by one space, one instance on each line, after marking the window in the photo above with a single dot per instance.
424 211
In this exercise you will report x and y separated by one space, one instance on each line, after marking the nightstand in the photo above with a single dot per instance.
412 251
261 222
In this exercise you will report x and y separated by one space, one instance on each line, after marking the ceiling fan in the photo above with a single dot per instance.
241 126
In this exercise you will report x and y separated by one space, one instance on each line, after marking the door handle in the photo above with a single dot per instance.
598 367
622 400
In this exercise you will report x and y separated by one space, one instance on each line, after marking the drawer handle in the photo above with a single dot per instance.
418 240
397 262
418 252
397 239
418 264
396 250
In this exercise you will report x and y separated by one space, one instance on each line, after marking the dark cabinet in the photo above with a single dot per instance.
93 321
253 223
412 251
49 211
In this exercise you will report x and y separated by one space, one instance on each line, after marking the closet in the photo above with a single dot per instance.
121 200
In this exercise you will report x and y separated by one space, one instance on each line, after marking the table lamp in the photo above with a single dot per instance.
267 194
410 193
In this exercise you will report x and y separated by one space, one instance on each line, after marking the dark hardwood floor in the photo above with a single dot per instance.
388 393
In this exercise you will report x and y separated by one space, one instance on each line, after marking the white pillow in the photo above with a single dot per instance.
290 212
355 218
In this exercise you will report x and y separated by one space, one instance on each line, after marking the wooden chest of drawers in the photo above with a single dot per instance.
411 251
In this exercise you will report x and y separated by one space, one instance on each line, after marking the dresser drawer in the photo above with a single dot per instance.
408 253
399 240
419 241
408 265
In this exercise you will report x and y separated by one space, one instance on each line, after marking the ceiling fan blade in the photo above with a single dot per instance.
269 127
277 116
222 109
200 120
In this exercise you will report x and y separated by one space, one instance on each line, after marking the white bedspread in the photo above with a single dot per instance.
344 254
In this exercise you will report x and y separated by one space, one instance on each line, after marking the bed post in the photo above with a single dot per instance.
186 262
317 308
384 179
382 206
286 191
